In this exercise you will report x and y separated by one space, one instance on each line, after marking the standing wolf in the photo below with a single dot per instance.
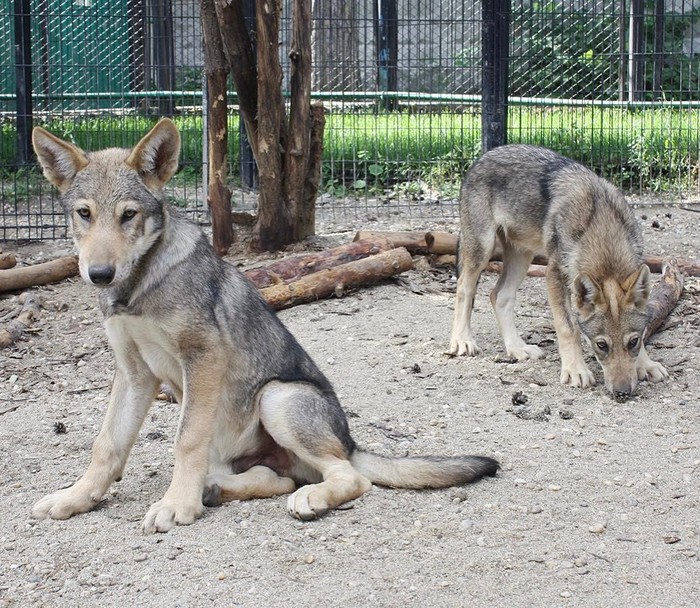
533 200
257 415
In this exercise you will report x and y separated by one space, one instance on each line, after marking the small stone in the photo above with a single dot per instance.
535 509
597 528
566 565
671 538
565 594
140 557
580 562
309 559
553 487
601 441
221 576
659 432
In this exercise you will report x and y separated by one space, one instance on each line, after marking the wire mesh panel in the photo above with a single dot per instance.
614 84
98 73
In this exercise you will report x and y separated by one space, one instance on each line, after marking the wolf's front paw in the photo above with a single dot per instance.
525 352
65 503
651 370
166 514
579 377
460 347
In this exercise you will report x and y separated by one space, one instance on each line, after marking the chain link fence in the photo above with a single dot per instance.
612 83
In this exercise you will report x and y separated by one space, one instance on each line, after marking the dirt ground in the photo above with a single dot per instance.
597 503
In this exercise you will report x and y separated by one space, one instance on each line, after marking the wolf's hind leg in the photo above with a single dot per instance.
474 256
257 482
515 265
311 425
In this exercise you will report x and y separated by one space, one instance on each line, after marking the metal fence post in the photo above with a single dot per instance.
495 36
635 71
386 17
23 86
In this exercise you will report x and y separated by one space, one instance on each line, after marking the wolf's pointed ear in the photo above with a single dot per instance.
59 159
636 287
586 292
156 156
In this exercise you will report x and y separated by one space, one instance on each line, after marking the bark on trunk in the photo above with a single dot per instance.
216 68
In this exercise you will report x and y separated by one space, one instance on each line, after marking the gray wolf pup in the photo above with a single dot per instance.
532 200
257 417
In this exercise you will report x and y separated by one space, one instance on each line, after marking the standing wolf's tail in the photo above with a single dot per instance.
423 471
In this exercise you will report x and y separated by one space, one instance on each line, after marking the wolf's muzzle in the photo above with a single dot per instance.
101 275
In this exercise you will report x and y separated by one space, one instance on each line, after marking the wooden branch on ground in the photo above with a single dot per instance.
293 268
335 280
414 242
27 315
446 243
7 260
534 270
664 296
15 279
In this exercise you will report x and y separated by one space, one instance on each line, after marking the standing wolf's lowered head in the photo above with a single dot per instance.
533 200
258 418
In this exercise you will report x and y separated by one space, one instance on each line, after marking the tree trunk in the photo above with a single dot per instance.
287 152
216 69
274 228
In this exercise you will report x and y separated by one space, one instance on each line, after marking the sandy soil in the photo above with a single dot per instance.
597 503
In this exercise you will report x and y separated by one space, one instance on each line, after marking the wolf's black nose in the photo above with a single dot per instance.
101 275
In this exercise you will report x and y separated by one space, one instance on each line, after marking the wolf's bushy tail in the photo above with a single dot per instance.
419 472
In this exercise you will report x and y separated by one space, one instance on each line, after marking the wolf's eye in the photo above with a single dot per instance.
128 215
83 212
602 345
633 342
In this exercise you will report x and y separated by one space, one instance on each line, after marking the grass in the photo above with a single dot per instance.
650 149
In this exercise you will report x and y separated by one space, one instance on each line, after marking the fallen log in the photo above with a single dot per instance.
445 243
7 260
413 242
14 330
293 268
664 296
15 279
534 270
335 280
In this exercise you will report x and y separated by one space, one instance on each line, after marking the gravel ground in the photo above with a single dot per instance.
597 503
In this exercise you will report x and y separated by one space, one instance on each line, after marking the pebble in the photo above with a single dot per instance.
553 487
659 432
601 441
309 559
140 557
597 528
535 509
580 562
565 594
